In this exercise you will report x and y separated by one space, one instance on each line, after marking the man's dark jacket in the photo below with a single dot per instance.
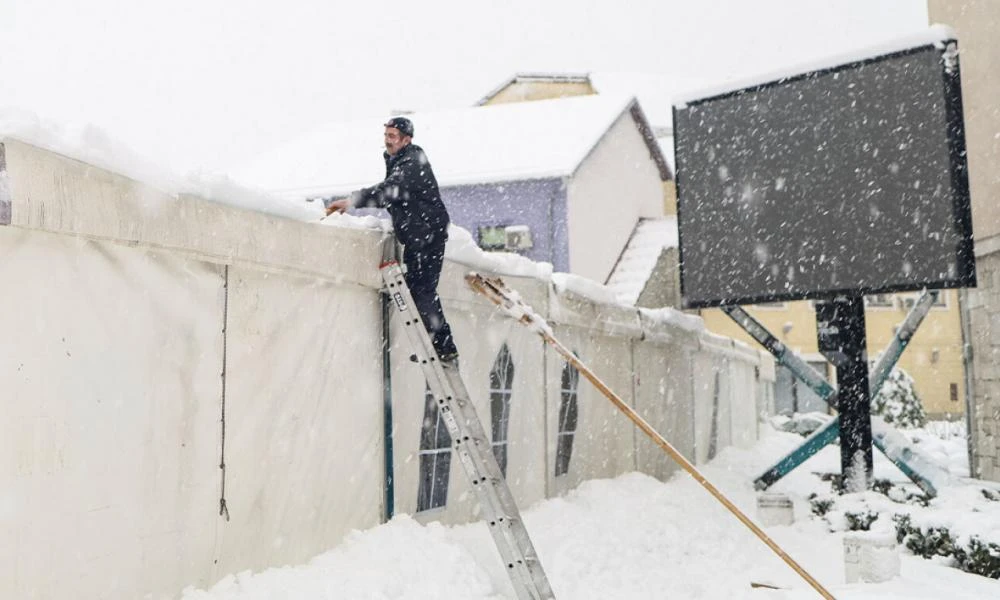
410 194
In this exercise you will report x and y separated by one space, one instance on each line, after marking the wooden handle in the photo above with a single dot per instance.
495 291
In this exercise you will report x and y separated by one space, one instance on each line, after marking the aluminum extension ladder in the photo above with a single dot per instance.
471 446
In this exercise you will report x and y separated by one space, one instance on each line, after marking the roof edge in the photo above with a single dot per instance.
648 136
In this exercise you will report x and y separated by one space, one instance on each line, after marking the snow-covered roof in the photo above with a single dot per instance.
86 143
637 261
486 144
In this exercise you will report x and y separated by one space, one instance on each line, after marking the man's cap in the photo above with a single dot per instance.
404 125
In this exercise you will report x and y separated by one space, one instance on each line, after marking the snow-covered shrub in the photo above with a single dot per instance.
925 542
897 401
976 556
820 506
860 521
979 557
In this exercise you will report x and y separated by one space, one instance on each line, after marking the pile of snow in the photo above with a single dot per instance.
803 424
86 143
672 316
630 537
586 288
462 249
91 145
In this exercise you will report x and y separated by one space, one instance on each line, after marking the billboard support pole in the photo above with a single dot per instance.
840 328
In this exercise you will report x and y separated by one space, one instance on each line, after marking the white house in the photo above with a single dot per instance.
578 172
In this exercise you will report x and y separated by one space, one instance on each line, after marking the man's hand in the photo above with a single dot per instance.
338 205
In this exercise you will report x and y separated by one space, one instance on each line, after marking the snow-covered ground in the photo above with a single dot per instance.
636 537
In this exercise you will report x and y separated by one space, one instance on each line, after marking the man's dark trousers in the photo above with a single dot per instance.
423 269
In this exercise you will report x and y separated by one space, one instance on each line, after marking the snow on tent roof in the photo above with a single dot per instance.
484 144
639 258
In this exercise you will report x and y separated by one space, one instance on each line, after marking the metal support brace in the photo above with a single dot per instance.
923 472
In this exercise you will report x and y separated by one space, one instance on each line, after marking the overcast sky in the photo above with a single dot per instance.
208 83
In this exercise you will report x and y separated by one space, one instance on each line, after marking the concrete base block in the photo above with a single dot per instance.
870 558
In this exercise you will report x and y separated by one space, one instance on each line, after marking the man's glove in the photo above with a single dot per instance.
336 204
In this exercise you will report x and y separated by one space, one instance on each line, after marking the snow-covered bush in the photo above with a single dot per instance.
979 557
975 556
860 521
897 401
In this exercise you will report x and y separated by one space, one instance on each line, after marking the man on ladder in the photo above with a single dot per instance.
410 193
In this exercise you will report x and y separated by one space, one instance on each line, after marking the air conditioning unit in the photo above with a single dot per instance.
518 237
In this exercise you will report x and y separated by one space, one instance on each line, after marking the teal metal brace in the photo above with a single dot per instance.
924 473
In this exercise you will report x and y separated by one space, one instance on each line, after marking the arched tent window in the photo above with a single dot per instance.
567 418
501 383
435 457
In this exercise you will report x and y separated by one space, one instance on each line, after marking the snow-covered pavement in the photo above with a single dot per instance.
633 537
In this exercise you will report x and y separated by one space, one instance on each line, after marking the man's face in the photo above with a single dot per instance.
394 140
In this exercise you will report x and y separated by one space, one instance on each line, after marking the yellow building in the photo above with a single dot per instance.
933 358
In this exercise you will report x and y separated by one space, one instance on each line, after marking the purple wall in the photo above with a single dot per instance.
540 204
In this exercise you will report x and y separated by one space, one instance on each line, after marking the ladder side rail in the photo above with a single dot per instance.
473 449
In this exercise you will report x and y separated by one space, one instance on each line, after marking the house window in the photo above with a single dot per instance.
493 238
501 382
509 238
879 300
567 418
953 391
770 305
937 299
435 457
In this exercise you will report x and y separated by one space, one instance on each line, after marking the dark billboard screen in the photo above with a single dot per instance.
849 179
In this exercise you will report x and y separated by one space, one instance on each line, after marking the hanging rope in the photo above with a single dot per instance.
223 509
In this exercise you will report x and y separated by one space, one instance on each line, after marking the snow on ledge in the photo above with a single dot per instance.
935 35
462 249
672 316
91 145
85 143
587 288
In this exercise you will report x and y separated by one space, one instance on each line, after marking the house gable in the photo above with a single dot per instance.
526 87
615 186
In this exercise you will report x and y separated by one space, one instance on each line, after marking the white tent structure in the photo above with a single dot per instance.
151 338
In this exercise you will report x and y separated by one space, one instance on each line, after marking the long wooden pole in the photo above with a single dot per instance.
493 291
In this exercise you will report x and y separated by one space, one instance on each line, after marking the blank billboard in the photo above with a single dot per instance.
847 179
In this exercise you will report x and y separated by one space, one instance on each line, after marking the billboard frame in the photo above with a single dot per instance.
960 197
